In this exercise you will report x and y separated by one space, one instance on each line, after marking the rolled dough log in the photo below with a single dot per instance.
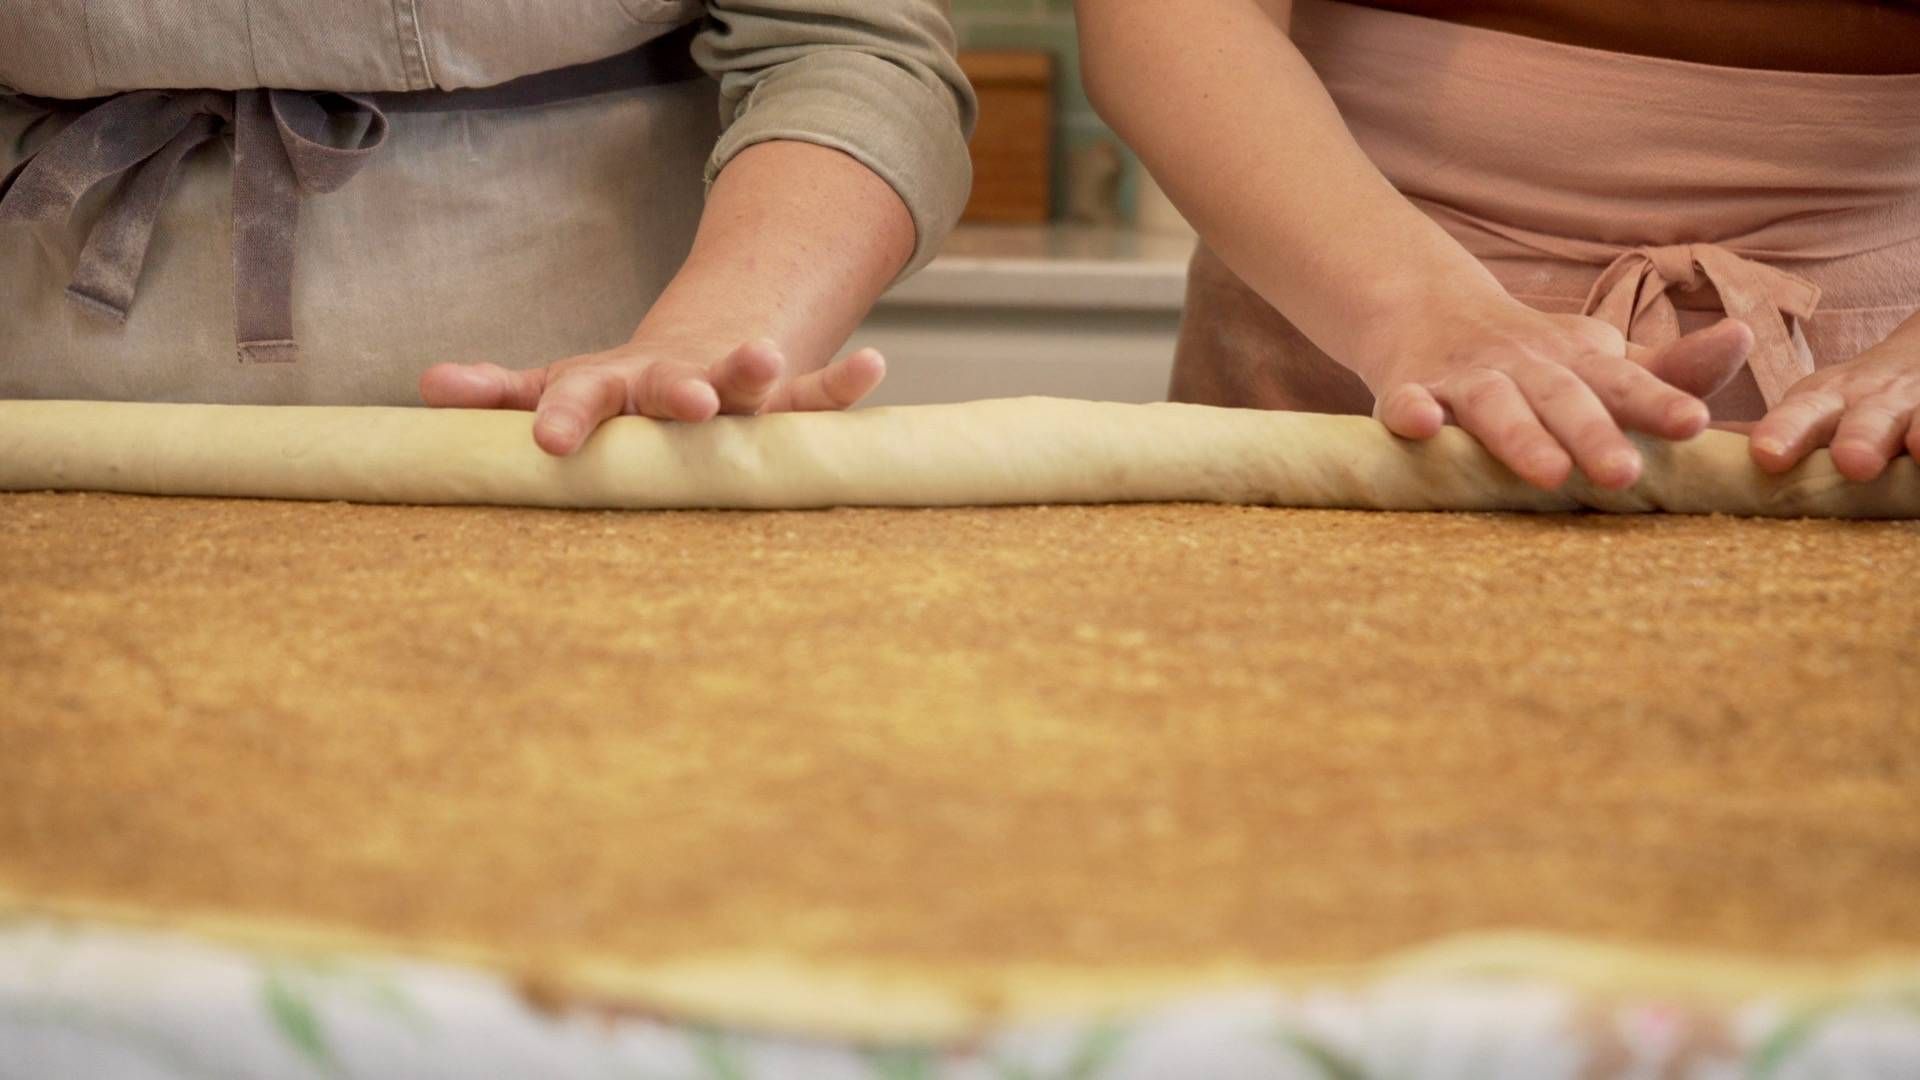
1019 450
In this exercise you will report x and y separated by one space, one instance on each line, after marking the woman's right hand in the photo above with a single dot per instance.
1546 392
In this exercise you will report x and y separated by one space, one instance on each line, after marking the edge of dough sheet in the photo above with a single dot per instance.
994 452
897 1002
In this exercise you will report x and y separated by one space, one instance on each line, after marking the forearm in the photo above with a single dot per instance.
796 243
1245 140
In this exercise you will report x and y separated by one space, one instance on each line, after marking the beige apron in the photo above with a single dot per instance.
1654 194
519 231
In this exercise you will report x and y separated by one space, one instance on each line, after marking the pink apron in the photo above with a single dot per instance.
1654 194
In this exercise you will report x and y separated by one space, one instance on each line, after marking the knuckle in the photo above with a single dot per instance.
565 386
606 389
651 382
1811 403
1633 384
1402 395
1598 435
1587 361
580 363
1524 436
1480 397
839 391
1601 338
1903 392
1518 361
1558 384
1813 387
1481 388
836 391
1877 410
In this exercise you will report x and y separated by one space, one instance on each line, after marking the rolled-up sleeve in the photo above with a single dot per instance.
875 79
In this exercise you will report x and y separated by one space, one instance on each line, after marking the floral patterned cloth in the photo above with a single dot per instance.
90 1001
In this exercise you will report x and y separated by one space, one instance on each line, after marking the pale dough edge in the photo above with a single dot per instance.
899 1002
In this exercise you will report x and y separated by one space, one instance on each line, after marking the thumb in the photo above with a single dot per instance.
1701 363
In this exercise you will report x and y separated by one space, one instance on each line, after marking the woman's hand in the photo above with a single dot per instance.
1544 392
1867 411
665 378
796 243
1267 171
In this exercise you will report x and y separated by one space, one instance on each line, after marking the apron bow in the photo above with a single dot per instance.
1632 295
287 144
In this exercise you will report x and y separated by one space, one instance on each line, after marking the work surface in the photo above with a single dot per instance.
1094 738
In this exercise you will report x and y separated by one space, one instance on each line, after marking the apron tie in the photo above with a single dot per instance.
287 145
1631 295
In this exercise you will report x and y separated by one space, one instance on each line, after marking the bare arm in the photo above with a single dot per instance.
1243 136
796 243
842 164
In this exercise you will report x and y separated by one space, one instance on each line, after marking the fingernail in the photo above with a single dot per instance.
1620 463
1770 446
559 427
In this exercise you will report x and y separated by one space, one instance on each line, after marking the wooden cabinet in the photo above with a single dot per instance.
1013 144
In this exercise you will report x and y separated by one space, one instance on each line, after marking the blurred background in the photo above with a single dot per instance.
1067 274
1038 32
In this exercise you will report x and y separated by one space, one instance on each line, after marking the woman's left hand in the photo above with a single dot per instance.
1867 411
795 244
665 378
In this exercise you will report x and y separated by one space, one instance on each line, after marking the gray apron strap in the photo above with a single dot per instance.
288 144
281 153
665 59
146 134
